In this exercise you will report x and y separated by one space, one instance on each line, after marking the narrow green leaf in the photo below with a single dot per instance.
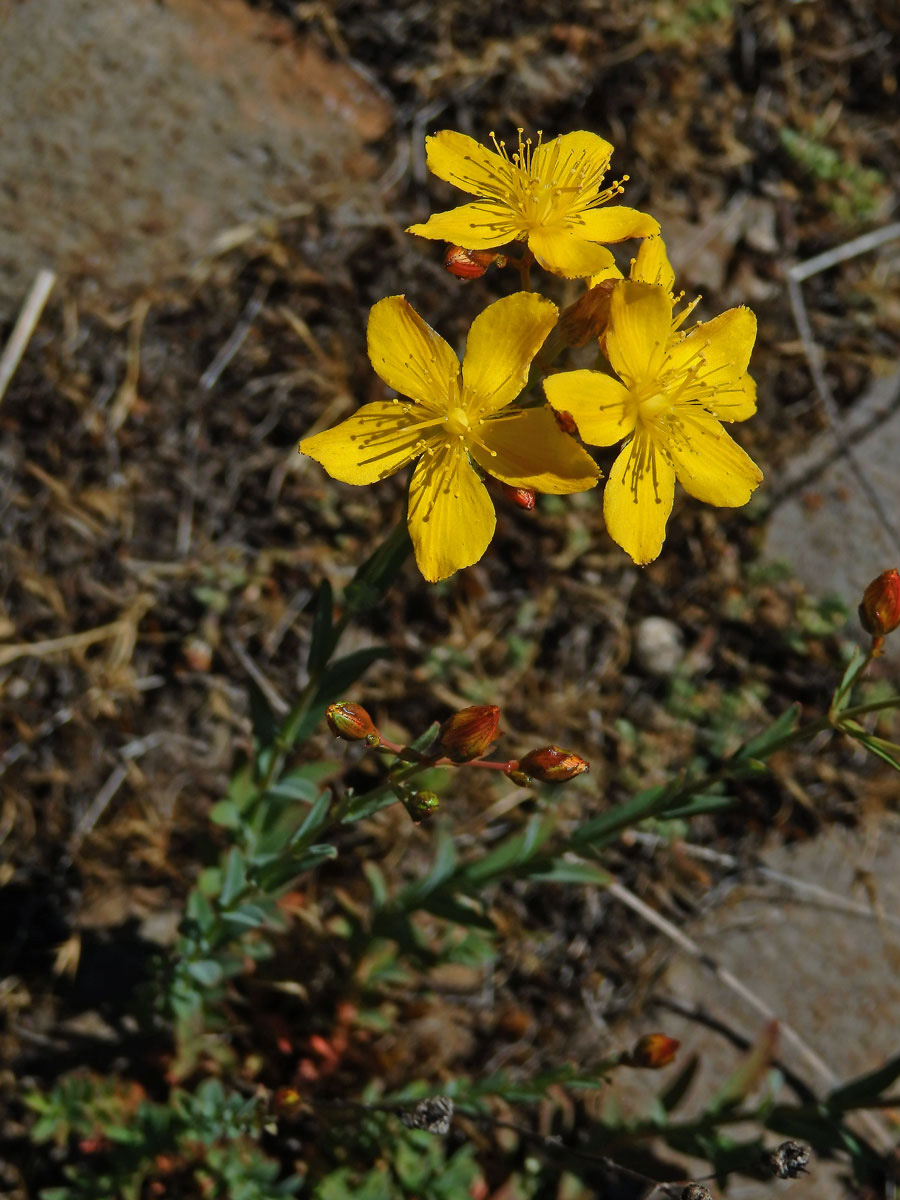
696 806
858 1092
673 1095
235 877
512 852
605 826
449 908
227 814
562 870
322 640
261 716
341 674
844 689
411 897
762 745
878 747
314 819
375 877
379 571
293 787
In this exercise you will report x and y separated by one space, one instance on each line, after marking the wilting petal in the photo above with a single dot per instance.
638 498
481 225
582 152
708 463
410 357
565 251
615 223
451 517
602 407
376 441
502 341
640 317
467 164
530 450
651 264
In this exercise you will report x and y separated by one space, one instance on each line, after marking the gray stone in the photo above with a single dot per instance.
824 526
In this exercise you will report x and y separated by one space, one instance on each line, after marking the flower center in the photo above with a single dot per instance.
653 406
457 424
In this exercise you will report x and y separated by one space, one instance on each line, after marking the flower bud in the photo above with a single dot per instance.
652 1051
552 764
421 805
351 723
470 264
696 1191
469 732
879 612
522 496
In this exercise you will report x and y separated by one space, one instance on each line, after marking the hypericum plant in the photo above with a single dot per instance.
663 391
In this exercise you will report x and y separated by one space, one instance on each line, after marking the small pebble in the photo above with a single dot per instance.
658 646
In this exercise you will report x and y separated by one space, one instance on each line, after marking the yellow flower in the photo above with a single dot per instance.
454 421
675 391
548 195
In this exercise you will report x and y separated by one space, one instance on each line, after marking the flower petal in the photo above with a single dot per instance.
717 352
615 223
638 498
709 464
530 450
377 440
460 160
651 264
582 152
565 251
601 407
482 225
451 517
640 317
410 357
502 341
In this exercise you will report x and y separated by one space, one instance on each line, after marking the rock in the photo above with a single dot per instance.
658 646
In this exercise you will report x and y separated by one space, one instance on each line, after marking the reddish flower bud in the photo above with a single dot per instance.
351 723
879 612
469 732
470 264
652 1051
524 497
552 764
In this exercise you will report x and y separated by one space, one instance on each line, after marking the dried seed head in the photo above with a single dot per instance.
468 733
789 1160
696 1191
434 1115
652 1051
552 764
879 612
351 723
